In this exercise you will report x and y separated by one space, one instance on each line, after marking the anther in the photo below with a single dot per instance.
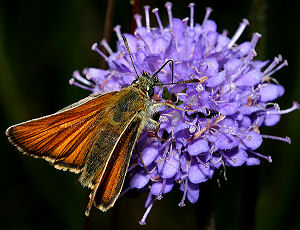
169 5
155 11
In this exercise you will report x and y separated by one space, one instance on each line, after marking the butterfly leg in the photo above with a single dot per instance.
89 206
155 131
145 167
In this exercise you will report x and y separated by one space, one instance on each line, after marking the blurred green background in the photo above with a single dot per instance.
43 42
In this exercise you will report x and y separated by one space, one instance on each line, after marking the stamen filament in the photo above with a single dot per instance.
106 46
295 106
268 158
191 6
168 5
147 18
155 11
77 76
284 63
238 32
159 196
254 40
138 20
143 220
284 139
272 65
95 48
181 203
117 29
207 14
185 21
249 58
73 82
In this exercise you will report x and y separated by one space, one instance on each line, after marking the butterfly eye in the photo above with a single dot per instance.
150 92
155 79
134 81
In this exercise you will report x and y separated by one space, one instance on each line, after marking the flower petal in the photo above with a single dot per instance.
198 146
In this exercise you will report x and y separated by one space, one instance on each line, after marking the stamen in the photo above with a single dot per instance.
181 203
78 77
138 20
224 169
225 32
238 32
268 158
147 18
249 58
155 11
124 191
168 5
117 29
185 21
272 65
137 34
89 76
295 106
143 220
284 63
106 46
191 6
192 128
207 14
254 40
85 71
95 48
159 196
73 82
284 139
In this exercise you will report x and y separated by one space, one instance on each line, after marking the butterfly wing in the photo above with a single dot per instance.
108 190
108 181
94 136
63 138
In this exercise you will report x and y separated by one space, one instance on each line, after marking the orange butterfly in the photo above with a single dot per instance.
95 136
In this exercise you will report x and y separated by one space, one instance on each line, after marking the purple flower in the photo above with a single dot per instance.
226 111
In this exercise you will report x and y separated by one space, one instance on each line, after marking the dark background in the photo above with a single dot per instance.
43 42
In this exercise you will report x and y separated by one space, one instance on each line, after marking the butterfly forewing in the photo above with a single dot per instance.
95 136
63 138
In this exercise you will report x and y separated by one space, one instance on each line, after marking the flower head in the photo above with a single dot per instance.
220 117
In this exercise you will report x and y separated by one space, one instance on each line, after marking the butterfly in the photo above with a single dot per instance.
95 136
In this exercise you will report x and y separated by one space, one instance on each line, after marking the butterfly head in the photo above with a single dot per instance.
146 83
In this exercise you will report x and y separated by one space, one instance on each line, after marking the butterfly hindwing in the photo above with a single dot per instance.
108 190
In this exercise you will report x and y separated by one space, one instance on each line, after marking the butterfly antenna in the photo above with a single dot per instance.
172 62
128 51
